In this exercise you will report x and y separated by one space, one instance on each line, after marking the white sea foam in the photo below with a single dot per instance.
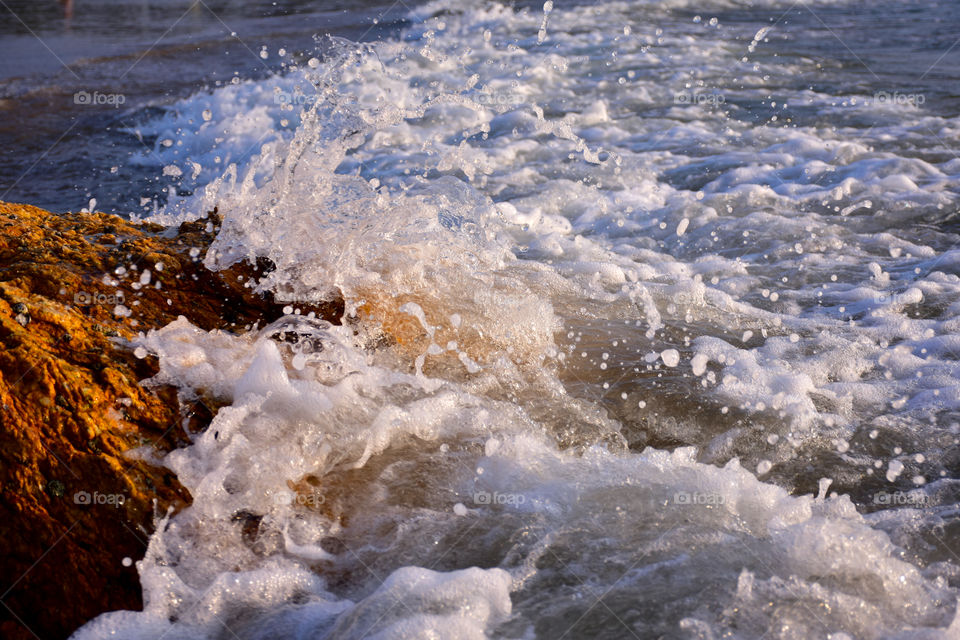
556 244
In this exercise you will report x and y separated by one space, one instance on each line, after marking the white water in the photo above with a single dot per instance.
562 239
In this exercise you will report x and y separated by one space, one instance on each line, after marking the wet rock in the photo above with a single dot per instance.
21 314
77 491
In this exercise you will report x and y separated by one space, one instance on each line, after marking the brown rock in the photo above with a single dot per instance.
74 504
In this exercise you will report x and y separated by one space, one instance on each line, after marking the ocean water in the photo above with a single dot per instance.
653 330
76 85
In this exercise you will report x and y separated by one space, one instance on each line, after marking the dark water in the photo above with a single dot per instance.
58 153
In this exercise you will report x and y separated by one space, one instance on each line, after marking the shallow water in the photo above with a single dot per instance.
653 330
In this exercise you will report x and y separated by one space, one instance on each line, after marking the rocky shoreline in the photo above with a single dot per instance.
77 506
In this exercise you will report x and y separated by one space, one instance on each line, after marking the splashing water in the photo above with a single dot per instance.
618 360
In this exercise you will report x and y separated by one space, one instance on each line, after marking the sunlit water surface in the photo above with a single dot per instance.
654 328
